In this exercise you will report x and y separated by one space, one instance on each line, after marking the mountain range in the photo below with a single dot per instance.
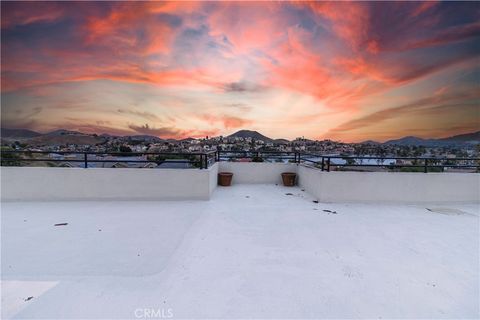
468 138
18 133
66 136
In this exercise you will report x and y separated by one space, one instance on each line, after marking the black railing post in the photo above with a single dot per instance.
85 160
425 169
328 164
323 163
206 161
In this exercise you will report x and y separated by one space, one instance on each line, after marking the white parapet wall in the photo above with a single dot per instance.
257 172
47 184
408 187
213 176
30 183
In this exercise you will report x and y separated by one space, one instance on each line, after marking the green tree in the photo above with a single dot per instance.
9 159
349 161
124 148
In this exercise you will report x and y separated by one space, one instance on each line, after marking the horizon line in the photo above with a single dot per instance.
221 135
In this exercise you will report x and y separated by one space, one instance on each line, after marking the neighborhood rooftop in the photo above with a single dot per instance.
252 251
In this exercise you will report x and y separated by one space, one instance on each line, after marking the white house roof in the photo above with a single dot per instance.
253 251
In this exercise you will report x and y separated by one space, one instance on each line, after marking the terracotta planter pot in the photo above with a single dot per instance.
225 179
288 179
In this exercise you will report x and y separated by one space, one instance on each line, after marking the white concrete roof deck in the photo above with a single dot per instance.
252 251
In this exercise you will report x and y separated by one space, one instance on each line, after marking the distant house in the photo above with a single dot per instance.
56 156
120 165
150 165
67 165
402 162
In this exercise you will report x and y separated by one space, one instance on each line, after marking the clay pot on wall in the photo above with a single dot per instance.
225 179
288 179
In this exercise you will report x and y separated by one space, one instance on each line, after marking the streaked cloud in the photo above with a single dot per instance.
142 114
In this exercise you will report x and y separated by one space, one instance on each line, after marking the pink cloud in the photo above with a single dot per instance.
172 132
247 25
423 7
37 12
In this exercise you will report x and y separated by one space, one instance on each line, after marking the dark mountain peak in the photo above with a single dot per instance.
410 140
244 133
250 134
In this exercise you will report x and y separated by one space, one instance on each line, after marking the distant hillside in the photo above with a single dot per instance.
250 134
410 141
79 139
63 136
57 137
473 137
281 141
468 138
370 142
64 132
145 138
18 133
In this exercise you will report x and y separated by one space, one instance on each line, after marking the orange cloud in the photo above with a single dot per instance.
229 122
350 20
120 27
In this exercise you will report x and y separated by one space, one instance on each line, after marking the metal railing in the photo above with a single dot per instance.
426 164
327 162
258 156
87 158
204 160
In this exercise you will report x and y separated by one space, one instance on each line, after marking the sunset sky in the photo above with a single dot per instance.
344 71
